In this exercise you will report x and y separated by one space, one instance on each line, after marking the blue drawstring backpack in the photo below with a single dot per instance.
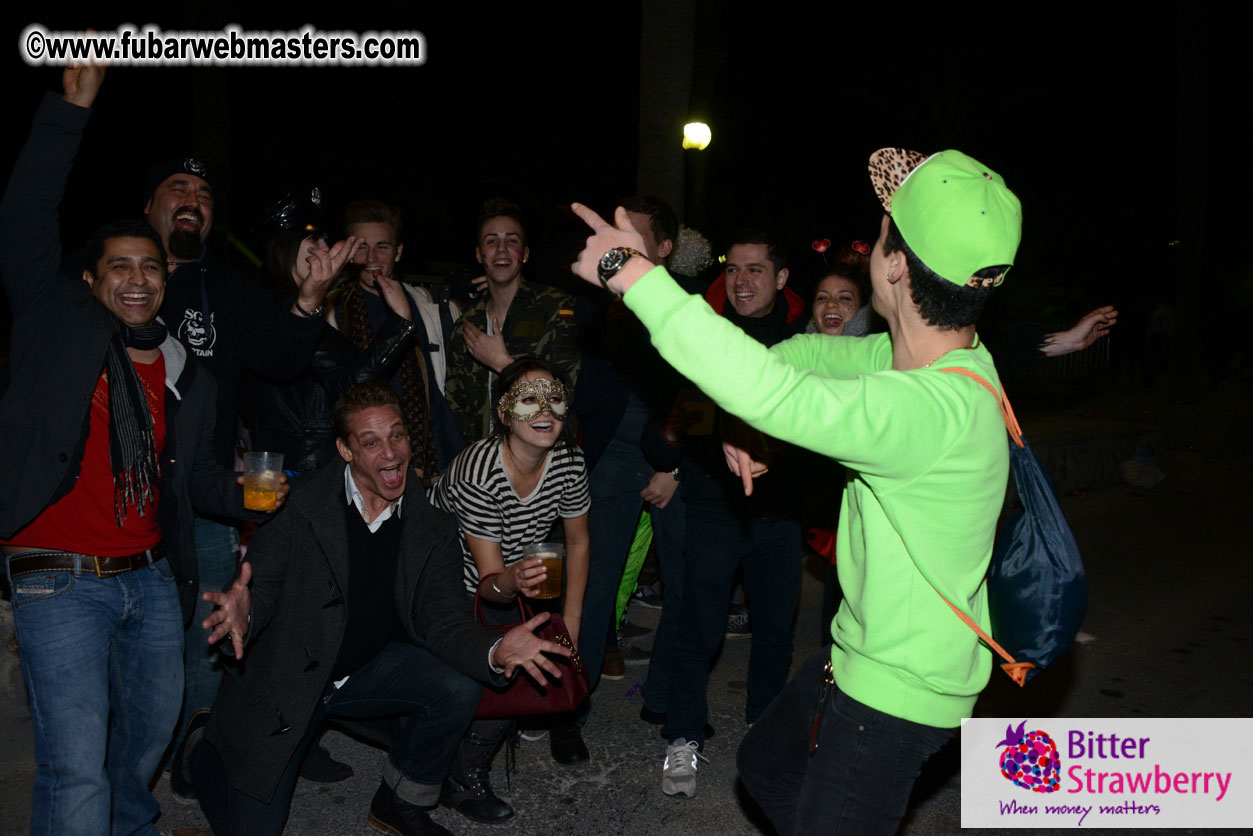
1037 589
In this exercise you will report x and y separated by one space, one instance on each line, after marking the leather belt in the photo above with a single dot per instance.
103 567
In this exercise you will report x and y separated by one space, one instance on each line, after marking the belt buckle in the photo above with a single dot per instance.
95 561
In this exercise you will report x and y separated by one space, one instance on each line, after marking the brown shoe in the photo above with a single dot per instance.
613 668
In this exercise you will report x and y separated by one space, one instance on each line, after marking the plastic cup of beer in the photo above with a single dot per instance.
261 480
552 555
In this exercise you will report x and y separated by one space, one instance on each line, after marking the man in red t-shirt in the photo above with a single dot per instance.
108 445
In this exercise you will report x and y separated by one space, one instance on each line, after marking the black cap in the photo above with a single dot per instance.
161 171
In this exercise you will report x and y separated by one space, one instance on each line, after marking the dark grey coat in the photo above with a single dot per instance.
299 589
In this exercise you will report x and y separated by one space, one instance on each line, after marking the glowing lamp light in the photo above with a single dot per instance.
696 135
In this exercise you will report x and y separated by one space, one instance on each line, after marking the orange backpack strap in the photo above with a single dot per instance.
1007 412
1016 670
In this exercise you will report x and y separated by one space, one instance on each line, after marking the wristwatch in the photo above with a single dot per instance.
613 261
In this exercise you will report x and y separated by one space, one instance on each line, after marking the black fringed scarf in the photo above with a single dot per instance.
132 447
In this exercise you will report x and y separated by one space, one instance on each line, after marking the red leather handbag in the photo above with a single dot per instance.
523 696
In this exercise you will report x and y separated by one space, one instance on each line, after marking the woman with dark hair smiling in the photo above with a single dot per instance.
506 492
840 294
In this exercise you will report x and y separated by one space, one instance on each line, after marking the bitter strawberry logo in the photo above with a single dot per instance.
1030 759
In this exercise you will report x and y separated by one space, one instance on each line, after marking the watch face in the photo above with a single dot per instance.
613 260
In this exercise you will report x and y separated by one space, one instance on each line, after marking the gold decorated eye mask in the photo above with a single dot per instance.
527 400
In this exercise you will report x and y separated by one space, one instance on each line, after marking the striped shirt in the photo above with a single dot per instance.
476 490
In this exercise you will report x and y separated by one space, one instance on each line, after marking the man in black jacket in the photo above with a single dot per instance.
230 323
358 559
108 444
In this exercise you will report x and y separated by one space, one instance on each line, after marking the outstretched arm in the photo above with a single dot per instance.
1083 334
881 424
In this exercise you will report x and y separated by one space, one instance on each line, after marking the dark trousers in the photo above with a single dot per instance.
402 681
858 779
615 484
769 549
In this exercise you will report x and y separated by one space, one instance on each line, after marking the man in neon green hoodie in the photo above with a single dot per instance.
928 463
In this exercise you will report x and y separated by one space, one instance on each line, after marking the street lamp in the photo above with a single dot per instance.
696 135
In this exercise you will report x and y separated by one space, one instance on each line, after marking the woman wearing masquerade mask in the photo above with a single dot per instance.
507 491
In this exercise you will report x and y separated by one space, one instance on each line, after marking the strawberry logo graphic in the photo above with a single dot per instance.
1030 759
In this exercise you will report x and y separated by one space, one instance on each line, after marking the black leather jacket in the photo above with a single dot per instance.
295 418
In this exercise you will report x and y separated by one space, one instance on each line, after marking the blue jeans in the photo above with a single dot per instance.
857 780
615 484
769 549
436 703
93 647
217 557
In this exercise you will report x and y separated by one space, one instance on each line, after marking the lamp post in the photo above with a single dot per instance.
696 138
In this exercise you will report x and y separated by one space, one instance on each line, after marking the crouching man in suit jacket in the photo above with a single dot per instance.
351 605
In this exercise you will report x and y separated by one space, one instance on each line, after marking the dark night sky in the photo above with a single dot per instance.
1089 115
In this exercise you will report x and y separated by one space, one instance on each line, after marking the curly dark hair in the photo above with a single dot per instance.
942 303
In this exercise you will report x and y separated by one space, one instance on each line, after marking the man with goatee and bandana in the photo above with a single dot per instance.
230 323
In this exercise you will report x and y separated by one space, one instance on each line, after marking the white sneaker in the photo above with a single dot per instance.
678 773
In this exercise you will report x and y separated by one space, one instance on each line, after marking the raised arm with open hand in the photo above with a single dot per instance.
324 266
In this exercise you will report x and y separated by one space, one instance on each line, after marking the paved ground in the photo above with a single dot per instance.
1168 634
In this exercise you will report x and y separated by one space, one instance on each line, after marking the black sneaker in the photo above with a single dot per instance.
738 624
632 655
633 631
388 814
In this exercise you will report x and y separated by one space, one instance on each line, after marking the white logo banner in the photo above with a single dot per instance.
1107 772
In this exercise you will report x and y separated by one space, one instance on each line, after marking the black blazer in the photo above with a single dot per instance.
299 589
